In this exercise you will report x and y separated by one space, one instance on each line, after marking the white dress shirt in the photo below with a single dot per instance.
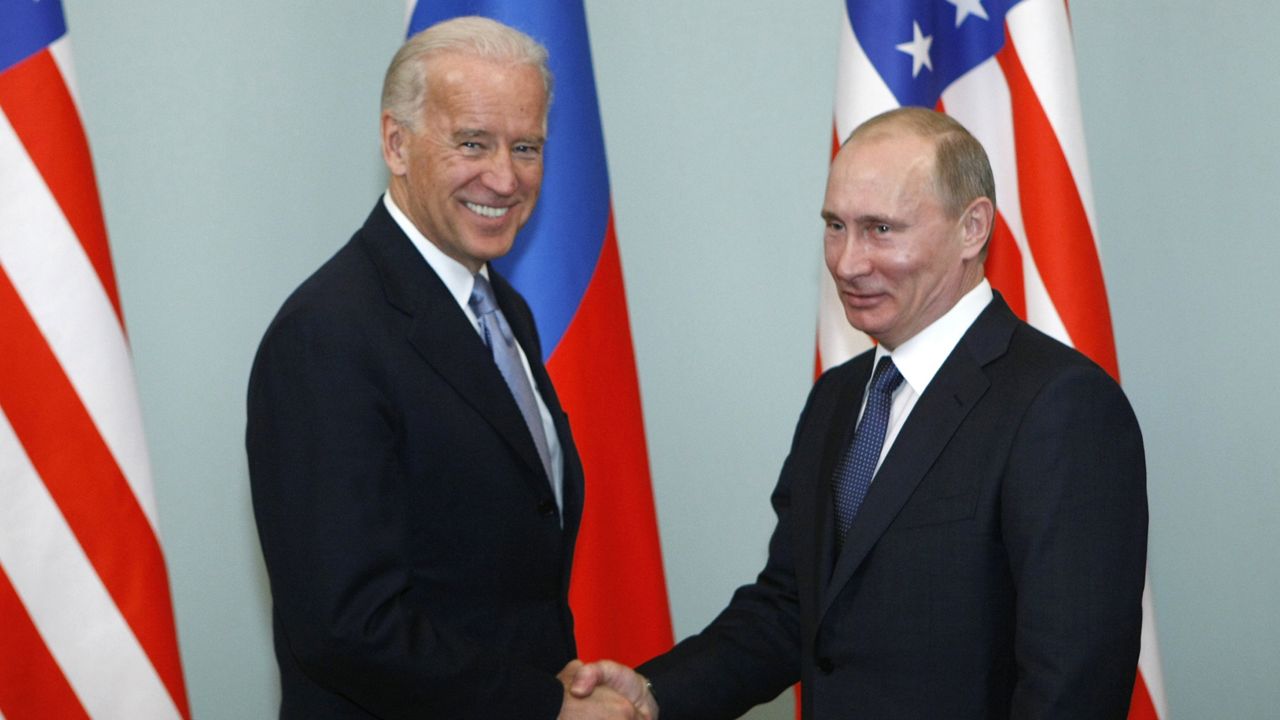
920 358
459 281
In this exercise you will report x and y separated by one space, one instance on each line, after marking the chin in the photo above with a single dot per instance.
862 323
490 249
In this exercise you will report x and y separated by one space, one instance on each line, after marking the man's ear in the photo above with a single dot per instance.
977 222
394 152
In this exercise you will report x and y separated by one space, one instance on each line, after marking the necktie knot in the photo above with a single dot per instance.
482 301
485 306
886 378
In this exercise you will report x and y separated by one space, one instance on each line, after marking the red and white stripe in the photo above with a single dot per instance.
85 612
1023 105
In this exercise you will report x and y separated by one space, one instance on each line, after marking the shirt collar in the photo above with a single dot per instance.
920 358
455 276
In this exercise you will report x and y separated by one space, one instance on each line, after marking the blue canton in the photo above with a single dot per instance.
27 27
920 47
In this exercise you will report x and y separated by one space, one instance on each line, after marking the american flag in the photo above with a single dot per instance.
86 623
1006 70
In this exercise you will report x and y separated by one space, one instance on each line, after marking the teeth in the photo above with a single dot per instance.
485 210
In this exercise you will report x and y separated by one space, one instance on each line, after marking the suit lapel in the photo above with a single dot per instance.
440 332
957 387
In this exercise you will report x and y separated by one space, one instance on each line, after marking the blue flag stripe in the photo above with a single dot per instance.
27 27
555 254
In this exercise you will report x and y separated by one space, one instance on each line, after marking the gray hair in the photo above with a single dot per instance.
961 170
404 89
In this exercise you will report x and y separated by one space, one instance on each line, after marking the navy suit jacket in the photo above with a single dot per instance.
417 559
995 569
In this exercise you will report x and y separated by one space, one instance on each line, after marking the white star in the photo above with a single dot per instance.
918 49
965 8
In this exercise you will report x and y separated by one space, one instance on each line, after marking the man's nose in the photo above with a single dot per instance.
501 175
853 261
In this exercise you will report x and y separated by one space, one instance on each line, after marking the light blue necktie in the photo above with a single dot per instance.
497 335
858 466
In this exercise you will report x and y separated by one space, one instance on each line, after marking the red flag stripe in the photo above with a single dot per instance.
1057 227
34 97
1004 267
1140 705
86 484
59 287
31 685
596 352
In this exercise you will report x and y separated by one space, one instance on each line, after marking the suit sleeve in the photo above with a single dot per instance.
1074 519
751 651
328 488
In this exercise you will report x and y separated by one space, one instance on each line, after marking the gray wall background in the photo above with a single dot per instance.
236 148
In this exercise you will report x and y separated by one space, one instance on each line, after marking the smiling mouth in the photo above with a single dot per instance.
862 299
486 210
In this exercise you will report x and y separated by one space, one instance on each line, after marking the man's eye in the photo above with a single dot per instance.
470 144
881 228
527 149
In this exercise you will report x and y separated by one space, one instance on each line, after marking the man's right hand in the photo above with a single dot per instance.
608 682
601 704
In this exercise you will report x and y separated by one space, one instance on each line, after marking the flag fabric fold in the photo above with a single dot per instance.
85 611
1006 70
566 264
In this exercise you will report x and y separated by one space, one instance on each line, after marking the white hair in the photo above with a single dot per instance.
404 90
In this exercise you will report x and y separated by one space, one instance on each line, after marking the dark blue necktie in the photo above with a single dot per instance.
497 335
858 466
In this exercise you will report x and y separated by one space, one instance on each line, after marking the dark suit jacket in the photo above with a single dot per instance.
995 569
417 561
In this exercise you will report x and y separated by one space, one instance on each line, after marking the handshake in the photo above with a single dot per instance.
605 690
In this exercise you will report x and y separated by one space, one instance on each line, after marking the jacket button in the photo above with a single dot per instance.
825 666
547 507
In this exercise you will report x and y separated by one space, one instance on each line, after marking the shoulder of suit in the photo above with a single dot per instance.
858 364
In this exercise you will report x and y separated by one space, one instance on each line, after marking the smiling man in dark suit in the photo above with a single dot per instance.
414 480
962 518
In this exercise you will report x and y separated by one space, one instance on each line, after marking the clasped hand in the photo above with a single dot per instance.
605 690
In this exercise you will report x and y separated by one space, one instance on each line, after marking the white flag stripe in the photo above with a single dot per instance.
981 101
67 602
860 91
1041 33
61 52
62 292
1149 661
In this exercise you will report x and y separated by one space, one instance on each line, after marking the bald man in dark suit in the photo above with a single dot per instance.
962 518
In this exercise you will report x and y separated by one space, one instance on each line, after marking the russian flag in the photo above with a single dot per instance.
565 263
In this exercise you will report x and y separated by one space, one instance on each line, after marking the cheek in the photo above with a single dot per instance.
901 264
531 178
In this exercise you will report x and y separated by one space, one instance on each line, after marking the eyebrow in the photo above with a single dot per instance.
471 133
870 219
